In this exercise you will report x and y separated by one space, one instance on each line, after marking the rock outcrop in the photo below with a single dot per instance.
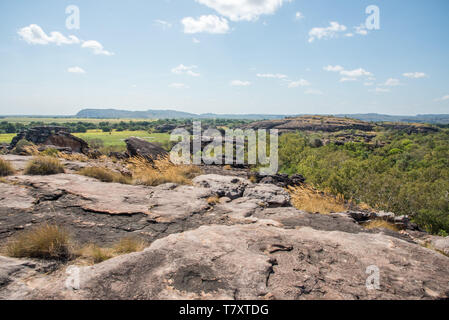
312 123
142 148
54 136
251 244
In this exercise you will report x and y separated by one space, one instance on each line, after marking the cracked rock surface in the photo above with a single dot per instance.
252 244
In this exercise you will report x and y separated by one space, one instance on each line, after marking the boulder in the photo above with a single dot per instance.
222 186
138 147
271 195
280 180
441 244
52 136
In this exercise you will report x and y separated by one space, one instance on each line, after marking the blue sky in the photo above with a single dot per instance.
225 56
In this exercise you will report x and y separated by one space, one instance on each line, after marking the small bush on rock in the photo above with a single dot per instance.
25 147
5 168
43 242
104 175
161 171
41 166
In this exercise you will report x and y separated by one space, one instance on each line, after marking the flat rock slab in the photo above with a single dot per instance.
262 262
15 196
92 195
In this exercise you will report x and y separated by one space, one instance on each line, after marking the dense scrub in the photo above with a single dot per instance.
408 175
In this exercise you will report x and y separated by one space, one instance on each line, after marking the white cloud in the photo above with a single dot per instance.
313 92
272 75
96 47
299 16
368 84
392 82
248 10
163 24
349 75
326 33
333 68
299 83
182 69
415 75
380 90
444 98
77 70
209 24
239 83
347 79
178 85
355 73
33 34
361 30
349 35
195 40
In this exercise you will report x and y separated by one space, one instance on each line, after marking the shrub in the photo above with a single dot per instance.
50 152
5 168
25 147
43 242
310 200
104 175
161 171
44 166
433 221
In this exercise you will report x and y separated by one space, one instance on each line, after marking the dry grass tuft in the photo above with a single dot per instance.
96 254
50 152
25 148
74 157
213 200
310 200
105 175
227 167
43 242
129 245
6 168
161 171
44 166
380 224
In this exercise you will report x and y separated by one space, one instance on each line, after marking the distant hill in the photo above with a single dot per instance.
173 114
421 118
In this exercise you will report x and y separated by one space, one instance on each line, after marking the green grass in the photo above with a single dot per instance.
118 138
6 137
114 139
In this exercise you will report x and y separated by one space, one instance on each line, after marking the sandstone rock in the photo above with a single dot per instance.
223 186
280 180
256 261
143 148
55 136
441 244
270 194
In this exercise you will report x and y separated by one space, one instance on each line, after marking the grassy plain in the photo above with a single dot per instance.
115 138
